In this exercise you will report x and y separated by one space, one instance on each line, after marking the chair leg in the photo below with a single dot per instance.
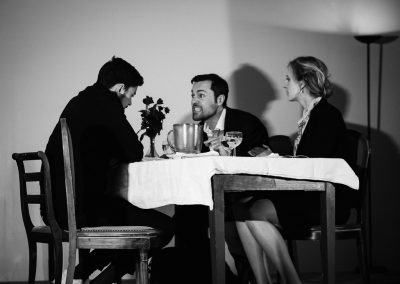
58 262
51 261
71 261
292 248
362 256
143 276
32 261
83 260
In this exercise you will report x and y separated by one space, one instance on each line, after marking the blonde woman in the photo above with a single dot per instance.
321 133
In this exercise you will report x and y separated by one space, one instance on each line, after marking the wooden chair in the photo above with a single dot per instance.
110 237
50 233
357 152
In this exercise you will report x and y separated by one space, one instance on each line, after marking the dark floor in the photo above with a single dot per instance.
354 278
311 278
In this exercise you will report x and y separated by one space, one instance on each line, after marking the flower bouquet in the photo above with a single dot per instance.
152 120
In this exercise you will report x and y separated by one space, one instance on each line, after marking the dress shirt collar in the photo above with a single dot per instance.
220 124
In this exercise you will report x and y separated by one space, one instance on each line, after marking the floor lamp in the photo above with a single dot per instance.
382 40
368 40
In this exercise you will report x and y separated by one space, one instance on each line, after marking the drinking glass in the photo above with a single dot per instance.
233 139
167 150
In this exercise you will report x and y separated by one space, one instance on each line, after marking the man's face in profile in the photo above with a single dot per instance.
204 105
126 98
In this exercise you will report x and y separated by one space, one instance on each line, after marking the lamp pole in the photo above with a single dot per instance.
381 41
368 40
367 201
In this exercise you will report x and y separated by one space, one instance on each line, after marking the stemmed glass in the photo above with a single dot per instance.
233 139
167 150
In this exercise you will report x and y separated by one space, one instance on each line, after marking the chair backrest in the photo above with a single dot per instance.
357 152
281 144
43 197
357 156
69 173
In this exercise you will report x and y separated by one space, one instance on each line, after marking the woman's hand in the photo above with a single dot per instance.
263 151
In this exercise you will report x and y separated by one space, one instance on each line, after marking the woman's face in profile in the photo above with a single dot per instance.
292 87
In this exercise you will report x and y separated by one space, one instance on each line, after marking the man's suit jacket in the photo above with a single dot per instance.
254 132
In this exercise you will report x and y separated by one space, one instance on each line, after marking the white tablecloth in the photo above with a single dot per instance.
188 181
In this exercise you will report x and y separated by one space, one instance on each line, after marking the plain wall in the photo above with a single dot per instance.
51 50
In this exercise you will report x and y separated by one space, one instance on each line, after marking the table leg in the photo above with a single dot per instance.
328 233
217 233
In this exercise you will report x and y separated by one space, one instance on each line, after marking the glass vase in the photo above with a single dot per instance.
152 153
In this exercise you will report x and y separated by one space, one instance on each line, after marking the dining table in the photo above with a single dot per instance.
205 178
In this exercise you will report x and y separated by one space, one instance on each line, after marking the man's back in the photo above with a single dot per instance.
101 137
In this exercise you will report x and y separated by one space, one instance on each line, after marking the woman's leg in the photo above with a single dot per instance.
254 253
262 225
271 241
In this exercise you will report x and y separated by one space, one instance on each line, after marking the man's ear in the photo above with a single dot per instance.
118 88
221 99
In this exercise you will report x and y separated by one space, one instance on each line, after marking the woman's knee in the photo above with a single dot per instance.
263 210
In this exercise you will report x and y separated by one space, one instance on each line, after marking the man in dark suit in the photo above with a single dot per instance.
209 96
209 106
102 138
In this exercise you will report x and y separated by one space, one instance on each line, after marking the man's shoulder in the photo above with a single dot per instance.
93 100
240 114
237 119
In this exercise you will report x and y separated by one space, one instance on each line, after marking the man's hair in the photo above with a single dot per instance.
218 85
117 71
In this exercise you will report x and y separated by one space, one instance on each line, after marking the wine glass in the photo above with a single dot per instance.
167 150
233 139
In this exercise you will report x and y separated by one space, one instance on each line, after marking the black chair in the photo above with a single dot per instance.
281 144
50 233
110 237
357 156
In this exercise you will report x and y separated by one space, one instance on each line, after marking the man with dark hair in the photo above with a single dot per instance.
218 85
102 138
209 96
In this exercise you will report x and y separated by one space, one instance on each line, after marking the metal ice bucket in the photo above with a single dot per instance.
186 138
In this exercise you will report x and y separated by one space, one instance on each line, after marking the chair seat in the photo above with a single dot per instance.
44 233
41 230
119 231
341 231
117 237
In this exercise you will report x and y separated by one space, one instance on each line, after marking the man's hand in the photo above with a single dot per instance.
224 151
219 145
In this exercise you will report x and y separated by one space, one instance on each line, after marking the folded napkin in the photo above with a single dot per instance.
180 155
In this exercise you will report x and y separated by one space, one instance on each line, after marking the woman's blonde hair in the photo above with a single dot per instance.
314 73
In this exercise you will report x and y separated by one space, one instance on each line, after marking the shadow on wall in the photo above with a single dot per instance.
385 183
251 90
